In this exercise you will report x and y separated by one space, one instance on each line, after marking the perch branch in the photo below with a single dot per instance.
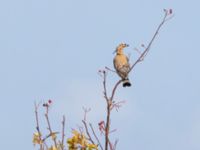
109 108
141 57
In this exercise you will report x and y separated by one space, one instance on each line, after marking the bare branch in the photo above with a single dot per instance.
49 128
114 89
37 124
117 105
110 69
63 133
87 131
86 126
104 85
110 104
141 57
49 135
115 145
110 145
85 112
95 136
137 50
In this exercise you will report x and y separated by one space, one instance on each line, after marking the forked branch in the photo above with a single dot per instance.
166 17
109 100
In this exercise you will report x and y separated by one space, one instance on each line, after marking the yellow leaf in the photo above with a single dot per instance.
53 135
37 138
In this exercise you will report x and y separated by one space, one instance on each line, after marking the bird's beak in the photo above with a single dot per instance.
123 45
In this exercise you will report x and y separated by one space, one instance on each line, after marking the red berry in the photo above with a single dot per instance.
49 101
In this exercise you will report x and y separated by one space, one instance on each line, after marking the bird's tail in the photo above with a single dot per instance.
126 83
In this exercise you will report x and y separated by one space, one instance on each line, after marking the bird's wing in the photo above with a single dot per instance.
128 64
115 63
127 58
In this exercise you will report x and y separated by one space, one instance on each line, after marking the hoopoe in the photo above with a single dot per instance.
121 64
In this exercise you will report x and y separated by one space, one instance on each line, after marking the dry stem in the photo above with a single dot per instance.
37 125
109 100
96 136
63 133
49 128
141 57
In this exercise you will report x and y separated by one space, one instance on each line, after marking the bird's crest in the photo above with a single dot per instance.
120 47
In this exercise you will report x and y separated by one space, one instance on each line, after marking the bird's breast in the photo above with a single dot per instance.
120 60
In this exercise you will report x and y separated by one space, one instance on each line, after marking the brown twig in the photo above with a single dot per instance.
37 124
63 133
87 131
115 145
109 101
114 89
109 108
110 145
49 127
86 126
141 57
91 127
104 85
107 68
109 104
49 135
117 105
85 112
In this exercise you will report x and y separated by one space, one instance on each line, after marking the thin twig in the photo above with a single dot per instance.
113 131
63 133
85 112
117 105
95 136
114 89
49 135
104 85
109 104
37 124
86 126
107 68
110 100
49 127
137 50
87 131
150 43
107 128
110 145
115 145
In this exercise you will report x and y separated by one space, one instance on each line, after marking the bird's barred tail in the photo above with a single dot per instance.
126 83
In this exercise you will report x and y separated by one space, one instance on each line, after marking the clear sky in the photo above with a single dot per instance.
53 49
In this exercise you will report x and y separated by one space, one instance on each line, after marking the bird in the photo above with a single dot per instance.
121 64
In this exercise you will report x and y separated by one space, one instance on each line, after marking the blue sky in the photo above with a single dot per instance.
53 50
